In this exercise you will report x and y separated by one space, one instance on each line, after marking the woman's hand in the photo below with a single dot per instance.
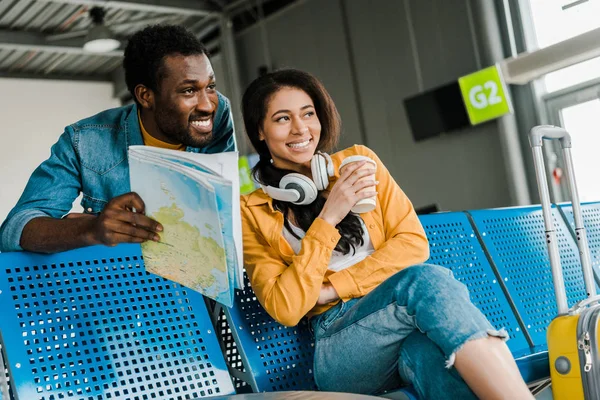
344 196
327 295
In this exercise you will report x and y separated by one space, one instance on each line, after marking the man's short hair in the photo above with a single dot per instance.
147 49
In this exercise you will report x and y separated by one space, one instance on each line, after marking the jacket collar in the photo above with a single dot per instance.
131 125
259 198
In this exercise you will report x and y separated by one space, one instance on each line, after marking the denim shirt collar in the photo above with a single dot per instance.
131 126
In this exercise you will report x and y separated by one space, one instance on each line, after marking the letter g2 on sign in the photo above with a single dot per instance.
484 95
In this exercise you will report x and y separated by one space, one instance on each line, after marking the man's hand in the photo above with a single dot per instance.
123 221
328 294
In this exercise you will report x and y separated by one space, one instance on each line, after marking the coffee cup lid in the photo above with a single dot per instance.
351 159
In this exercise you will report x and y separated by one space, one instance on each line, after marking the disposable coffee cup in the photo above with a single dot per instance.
368 204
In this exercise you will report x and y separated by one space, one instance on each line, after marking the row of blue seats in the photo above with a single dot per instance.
92 324
501 256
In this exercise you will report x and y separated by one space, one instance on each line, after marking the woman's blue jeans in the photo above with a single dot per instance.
407 330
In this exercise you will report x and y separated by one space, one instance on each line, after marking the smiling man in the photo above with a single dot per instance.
177 106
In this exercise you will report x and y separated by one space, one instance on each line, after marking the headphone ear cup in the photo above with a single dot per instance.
301 184
319 169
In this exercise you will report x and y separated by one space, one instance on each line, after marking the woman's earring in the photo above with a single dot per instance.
271 160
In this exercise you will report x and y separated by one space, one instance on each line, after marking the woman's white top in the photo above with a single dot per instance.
338 260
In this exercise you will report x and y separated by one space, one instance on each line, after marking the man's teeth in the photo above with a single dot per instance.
201 123
299 145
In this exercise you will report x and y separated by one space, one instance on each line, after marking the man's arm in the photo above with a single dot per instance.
50 192
36 224
117 223
50 235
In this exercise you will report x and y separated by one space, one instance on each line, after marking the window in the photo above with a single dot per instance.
558 20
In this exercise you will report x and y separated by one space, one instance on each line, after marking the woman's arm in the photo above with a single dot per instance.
287 292
405 240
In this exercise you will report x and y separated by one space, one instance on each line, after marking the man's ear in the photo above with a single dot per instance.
144 96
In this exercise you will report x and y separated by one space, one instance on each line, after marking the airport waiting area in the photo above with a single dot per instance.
299 199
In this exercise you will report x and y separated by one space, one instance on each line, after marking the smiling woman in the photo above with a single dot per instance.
291 111
380 317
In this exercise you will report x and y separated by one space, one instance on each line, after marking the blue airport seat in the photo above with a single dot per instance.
454 245
93 324
591 221
275 357
3 374
515 240
534 367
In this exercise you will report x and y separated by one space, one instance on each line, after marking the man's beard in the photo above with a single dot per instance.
182 133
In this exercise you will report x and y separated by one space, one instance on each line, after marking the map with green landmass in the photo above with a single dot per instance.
173 262
191 250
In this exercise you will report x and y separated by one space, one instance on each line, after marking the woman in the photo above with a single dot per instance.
380 316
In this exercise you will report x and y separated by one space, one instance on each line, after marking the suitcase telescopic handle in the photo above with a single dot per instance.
580 305
536 137
549 132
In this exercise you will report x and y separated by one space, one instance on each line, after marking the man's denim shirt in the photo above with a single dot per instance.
91 157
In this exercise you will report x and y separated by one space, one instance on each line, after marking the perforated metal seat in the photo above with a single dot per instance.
454 244
515 239
4 384
92 324
270 357
591 221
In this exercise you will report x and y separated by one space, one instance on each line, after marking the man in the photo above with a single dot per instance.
176 106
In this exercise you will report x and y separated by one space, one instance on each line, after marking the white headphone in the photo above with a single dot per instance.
298 189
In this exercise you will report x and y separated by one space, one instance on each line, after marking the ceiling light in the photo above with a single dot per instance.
99 38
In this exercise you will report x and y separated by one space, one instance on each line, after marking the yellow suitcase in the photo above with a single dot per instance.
573 334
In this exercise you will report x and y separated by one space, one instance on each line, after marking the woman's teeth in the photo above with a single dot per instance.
299 145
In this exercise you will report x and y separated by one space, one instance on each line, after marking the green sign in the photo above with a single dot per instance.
485 95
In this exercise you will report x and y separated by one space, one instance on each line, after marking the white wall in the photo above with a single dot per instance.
33 114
